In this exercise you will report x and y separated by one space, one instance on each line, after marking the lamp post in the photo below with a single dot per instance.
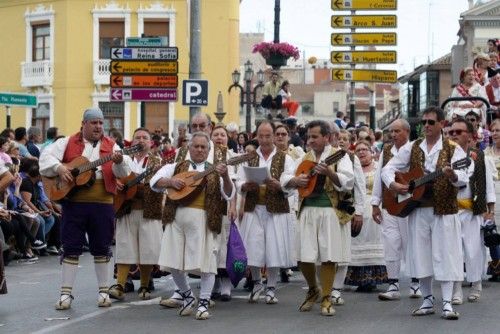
248 95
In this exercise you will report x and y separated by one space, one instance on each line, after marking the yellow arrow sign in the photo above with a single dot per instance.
365 39
365 75
363 57
364 4
144 67
364 21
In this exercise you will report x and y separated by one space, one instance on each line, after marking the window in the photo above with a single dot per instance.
156 28
41 117
113 115
41 42
433 88
111 34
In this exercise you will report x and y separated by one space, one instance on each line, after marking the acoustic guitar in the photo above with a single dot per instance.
194 180
82 171
130 186
403 205
307 167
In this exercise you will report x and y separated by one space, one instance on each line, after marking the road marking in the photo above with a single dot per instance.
77 320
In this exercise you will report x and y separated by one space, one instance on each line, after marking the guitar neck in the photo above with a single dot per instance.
94 164
428 178
140 177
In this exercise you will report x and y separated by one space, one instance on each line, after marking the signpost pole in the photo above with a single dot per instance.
7 108
372 108
352 102
195 49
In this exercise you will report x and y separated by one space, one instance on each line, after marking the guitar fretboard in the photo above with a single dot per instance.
96 163
141 177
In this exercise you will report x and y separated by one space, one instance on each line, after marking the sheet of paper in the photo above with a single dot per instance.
256 174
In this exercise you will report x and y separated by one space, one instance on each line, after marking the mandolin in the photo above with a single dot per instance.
194 180
130 186
307 167
403 205
82 170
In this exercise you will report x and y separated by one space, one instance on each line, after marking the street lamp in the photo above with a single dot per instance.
250 95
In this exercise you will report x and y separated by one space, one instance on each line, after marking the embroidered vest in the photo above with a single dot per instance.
220 155
181 156
152 201
444 194
386 156
477 183
213 200
333 195
75 148
276 202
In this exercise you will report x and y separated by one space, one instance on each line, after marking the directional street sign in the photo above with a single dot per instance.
144 53
144 81
15 99
365 75
363 57
147 41
364 21
144 67
364 4
374 38
148 95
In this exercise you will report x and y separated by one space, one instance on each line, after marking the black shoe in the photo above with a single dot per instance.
225 298
43 252
215 296
129 286
284 276
151 285
494 278
194 276
248 285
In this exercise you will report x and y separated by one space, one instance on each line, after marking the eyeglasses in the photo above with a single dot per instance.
281 134
428 121
472 120
362 150
200 126
457 132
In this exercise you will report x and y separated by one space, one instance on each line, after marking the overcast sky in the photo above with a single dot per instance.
306 24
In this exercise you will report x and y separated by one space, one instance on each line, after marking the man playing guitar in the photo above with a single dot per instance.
88 210
434 227
139 230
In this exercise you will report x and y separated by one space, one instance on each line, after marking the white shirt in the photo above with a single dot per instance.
286 176
168 170
490 185
52 155
377 180
344 171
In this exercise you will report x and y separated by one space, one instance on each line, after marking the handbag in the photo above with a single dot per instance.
236 261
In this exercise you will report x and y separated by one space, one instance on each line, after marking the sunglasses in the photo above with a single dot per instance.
472 120
428 121
281 134
457 132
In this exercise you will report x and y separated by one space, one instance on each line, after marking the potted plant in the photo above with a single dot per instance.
276 54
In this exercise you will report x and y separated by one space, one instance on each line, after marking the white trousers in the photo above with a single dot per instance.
435 244
394 236
267 238
472 245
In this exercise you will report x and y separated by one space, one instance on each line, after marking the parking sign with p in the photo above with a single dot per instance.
195 93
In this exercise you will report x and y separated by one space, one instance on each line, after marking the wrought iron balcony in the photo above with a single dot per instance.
389 117
37 73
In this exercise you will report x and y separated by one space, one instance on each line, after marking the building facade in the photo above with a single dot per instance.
59 50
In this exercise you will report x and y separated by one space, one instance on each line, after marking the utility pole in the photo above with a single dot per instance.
194 48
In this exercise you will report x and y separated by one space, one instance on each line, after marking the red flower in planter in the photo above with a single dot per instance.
284 49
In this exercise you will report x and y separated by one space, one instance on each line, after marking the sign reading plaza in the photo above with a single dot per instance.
16 99
144 67
372 38
363 57
364 21
364 4
144 53
365 75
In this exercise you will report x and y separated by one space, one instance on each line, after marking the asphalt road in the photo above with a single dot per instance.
34 289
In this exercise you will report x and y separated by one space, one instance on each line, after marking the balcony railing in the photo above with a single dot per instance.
389 117
101 72
37 73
